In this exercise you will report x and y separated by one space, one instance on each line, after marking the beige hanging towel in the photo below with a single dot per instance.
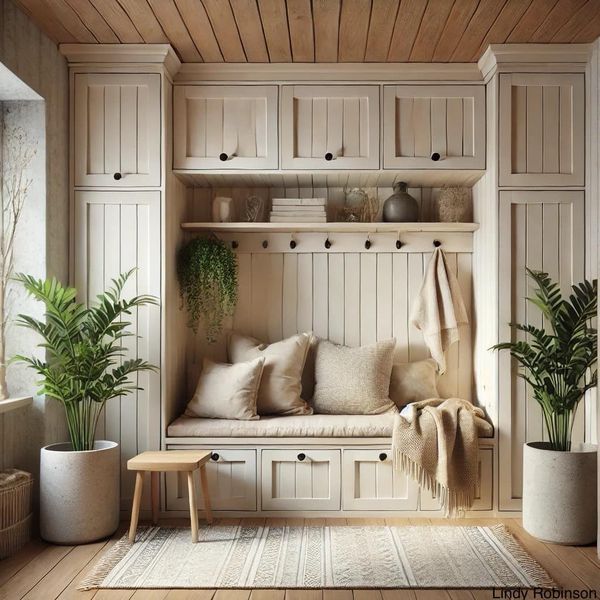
439 310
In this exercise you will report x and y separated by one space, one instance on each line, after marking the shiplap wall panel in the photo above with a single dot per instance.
449 120
114 232
240 121
117 129
542 138
342 120
545 231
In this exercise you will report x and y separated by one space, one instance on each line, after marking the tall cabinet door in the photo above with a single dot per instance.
116 231
434 127
542 230
117 129
542 137
225 127
330 127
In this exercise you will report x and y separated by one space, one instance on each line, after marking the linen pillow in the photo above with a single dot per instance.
353 381
280 386
412 382
227 391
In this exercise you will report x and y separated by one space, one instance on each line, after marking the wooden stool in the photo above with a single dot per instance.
161 462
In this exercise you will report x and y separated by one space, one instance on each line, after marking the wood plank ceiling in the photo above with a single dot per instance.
319 30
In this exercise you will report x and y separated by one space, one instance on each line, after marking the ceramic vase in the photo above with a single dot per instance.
400 207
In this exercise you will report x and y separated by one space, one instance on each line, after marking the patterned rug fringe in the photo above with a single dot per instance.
531 566
454 502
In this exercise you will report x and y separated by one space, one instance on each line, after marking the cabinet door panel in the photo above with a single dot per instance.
340 121
542 230
301 479
225 127
542 139
370 483
117 129
432 119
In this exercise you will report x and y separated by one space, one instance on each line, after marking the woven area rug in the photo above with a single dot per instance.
244 556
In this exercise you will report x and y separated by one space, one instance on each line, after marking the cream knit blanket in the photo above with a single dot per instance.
436 442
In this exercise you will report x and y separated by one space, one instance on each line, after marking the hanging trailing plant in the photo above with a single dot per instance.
207 272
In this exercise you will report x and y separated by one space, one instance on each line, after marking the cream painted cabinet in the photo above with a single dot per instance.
231 481
225 127
434 127
541 136
542 230
330 127
303 479
117 130
369 482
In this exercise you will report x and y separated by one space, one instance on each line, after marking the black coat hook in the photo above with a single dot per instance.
293 244
265 244
398 244
234 244
368 244
437 243
327 244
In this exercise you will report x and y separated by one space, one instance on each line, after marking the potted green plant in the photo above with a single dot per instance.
207 273
558 363
84 367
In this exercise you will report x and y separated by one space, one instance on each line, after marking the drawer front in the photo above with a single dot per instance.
434 127
117 130
369 482
231 482
483 492
330 127
301 479
225 127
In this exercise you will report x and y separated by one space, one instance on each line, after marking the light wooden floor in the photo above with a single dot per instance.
47 572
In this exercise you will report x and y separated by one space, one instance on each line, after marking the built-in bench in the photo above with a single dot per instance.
315 465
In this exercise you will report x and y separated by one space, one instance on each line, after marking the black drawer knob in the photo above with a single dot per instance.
328 156
214 456
223 156
435 156
117 176
383 456
301 456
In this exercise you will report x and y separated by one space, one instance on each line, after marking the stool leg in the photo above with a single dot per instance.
137 499
154 488
193 507
205 494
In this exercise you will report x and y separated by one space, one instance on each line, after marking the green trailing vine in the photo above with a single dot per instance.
207 272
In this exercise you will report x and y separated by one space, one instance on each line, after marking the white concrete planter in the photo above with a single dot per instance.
79 493
559 493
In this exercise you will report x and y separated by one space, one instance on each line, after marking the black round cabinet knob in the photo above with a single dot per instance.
328 156
435 156
301 456
223 156
214 456
117 176
383 456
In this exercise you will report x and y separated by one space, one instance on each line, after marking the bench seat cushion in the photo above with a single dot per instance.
315 426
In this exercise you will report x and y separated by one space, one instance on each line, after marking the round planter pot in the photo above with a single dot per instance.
559 493
79 493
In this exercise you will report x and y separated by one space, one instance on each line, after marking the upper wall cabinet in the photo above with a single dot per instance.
225 127
330 127
117 130
434 127
542 139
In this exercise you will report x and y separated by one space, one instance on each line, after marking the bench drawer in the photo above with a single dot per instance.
370 483
231 480
300 479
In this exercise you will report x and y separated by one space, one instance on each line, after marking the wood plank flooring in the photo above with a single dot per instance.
46 572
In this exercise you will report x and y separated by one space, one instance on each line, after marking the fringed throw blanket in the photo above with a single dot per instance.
436 442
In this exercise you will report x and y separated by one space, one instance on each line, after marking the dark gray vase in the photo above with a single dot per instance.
400 207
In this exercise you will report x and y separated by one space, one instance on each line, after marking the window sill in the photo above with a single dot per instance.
14 403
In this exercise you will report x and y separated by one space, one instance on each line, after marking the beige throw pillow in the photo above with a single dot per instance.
227 391
412 382
280 387
353 381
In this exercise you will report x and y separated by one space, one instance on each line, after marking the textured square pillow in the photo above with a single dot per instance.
412 382
280 386
353 381
227 391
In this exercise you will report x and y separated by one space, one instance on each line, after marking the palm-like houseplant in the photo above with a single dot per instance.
85 365
558 362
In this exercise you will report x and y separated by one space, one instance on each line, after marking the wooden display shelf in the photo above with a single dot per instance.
331 227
